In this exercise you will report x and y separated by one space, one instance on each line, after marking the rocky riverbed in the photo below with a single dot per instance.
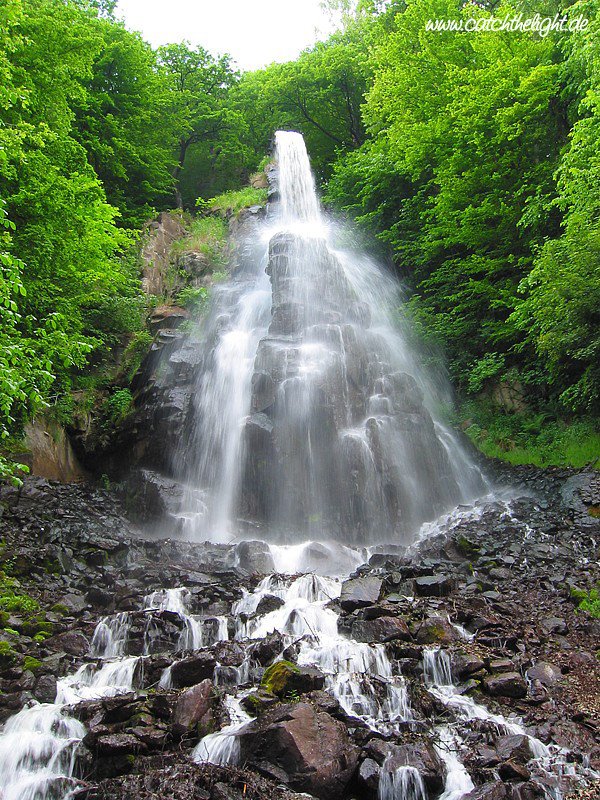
475 652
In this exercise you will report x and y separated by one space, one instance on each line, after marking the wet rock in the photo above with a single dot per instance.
308 749
507 684
515 748
192 670
193 710
466 664
435 630
284 679
71 642
368 776
433 585
381 629
45 689
255 557
512 771
489 791
267 604
360 592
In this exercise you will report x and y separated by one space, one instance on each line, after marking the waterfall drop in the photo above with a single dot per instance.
312 418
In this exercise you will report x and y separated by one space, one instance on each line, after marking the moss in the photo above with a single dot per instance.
277 676
32 664
59 608
36 625
8 655
466 547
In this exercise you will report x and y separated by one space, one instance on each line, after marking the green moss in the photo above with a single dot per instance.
32 664
277 676
59 608
590 603
8 655
466 547
37 625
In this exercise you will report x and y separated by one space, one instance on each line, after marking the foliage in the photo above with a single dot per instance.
531 438
134 353
233 202
117 406
588 601
206 235
193 298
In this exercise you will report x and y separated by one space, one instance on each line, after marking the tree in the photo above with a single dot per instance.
197 86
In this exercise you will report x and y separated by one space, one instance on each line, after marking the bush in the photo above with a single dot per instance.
207 235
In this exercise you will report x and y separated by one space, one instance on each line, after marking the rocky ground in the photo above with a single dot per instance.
512 578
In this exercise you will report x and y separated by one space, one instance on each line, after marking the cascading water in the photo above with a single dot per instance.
312 418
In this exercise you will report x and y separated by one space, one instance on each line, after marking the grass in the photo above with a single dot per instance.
538 439
233 202
207 235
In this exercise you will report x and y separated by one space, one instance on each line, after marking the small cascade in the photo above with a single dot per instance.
401 783
223 746
437 668
110 636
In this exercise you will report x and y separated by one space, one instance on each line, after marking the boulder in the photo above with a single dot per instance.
254 557
515 747
192 670
435 630
433 586
381 629
507 684
360 592
306 749
71 642
420 755
489 791
547 674
284 679
193 710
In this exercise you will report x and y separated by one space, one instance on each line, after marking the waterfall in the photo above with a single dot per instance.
402 783
312 418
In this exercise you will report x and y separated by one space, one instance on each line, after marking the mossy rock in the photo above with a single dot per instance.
8 656
287 680
277 677
466 546
32 664
37 625
259 701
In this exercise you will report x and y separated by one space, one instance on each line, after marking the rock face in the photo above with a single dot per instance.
302 747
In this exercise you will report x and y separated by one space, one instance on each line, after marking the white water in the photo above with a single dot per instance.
402 783
305 386
38 746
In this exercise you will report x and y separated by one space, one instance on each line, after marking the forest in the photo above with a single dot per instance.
470 162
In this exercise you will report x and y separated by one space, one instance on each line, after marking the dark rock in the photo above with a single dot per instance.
515 747
308 749
435 630
284 679
360 592
433 585
71 642
45 689
382 629
192 670
511 771
267 604
368 776
193 709
489 791
507 684
255 557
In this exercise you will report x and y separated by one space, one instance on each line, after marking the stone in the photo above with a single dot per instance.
554 625
115 744
284 679
420 755
45 689
511 771
515 747
72 642
435 630
466 664
192 670
368 776
268 603
255 557
506 684
360 592
193 709
381 629
433 585
489 791
547 674
308 749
